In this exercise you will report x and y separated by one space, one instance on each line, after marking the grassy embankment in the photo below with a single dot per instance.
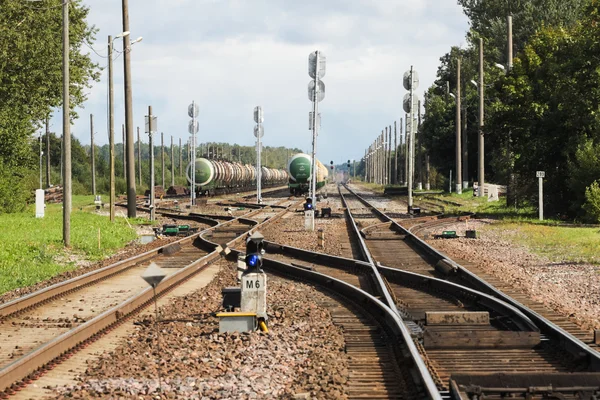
560 241
31 248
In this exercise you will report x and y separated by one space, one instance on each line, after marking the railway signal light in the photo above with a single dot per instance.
254 251
348 165
309 204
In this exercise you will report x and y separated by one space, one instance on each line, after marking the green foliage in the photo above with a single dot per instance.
32 250
592 202
31 82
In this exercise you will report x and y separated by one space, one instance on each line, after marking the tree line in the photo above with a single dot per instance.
541 114
273 157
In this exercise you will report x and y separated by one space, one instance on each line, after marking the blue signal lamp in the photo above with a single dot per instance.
254 251
252 260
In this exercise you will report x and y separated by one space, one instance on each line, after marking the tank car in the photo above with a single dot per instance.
299 171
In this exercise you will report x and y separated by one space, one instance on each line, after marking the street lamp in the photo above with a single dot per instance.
111 122
502 67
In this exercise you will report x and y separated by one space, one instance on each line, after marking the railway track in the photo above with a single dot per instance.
508 353
41 330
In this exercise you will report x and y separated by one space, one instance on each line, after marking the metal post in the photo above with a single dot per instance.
172 164
131 194
152 213
193 155
162 157
411 144
541 196
92 153
481 121
313 167
139 157
258 169
111 129
66 130
458 130
48 151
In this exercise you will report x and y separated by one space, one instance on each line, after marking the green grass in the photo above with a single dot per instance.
32 248
558 243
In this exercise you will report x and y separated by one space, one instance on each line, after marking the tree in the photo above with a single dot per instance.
31 82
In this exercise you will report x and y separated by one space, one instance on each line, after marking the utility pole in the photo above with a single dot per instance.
172 164
386 145
395 180
111 129
481 121
92 152
316 93
406 140
465 149
419 149
180 159
66 130
131 194
510 189
458 130
139 157
124 154
162 157
151 128
390 172
48 151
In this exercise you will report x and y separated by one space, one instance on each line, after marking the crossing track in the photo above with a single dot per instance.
519 351
101 301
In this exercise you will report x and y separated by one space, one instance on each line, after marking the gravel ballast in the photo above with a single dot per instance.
302 355
569 288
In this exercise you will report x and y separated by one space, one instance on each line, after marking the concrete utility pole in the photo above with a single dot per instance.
395 180
150 126
111 129
386 145
458 130
41 157
400 151
172 164
180 159
131 194
419 149
540 175
139 157
427 173
124 154
465 150
162 157
92 153
48 151
510 43
390 172
481 121
406 141
67 188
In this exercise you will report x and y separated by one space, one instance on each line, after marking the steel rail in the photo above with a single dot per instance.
21 371
570 342
428 382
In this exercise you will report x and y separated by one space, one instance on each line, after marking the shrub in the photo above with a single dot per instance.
592 202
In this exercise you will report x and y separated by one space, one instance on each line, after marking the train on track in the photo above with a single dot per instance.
215 177
299 171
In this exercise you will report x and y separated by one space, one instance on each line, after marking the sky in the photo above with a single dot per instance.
232 55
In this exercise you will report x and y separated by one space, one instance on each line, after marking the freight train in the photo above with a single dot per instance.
214 176
300 174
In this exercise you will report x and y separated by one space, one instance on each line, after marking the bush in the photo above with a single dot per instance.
592 202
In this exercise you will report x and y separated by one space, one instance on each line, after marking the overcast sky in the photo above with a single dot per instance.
231 55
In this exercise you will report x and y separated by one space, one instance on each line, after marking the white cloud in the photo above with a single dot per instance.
230 55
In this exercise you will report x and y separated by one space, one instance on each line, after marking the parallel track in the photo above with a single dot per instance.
45 338
474 353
